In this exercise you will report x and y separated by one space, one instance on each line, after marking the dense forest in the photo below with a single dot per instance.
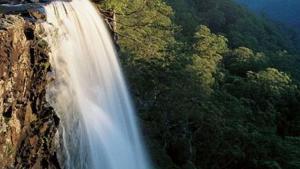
216 86
281 11
285 11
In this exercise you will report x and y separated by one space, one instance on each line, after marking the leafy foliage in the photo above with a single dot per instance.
144 26
208 54
241 60
216 87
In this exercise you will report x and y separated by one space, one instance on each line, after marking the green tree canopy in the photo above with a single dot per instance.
144 27
241 60
208 49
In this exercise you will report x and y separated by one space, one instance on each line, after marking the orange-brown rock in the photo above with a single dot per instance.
27 122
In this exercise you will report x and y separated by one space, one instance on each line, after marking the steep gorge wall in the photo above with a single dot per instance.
28 124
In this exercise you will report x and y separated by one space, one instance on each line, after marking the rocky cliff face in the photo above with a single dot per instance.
28 124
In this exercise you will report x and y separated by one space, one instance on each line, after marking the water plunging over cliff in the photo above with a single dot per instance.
99 125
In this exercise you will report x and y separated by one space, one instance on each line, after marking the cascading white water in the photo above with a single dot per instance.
89 92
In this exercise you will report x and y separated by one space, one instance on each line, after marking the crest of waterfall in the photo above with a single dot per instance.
98 121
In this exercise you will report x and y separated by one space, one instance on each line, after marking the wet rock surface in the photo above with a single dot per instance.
28 124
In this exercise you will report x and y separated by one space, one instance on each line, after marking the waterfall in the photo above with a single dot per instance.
89 93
